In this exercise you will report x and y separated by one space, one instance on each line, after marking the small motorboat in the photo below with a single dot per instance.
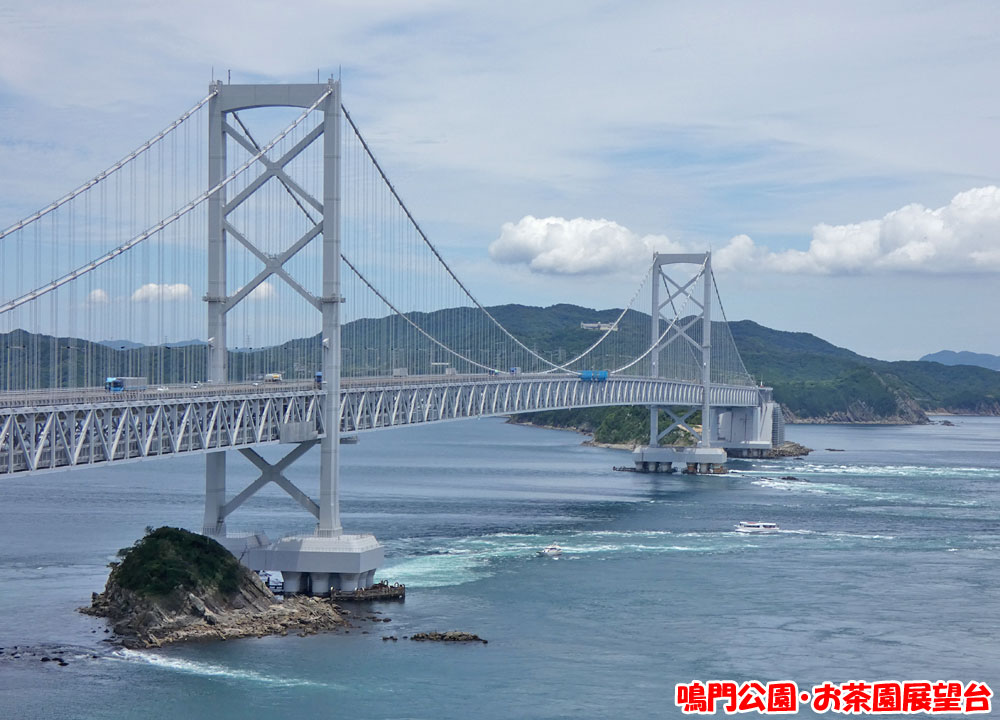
552 550
757 526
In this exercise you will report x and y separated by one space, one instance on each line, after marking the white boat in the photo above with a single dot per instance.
552 550
757 526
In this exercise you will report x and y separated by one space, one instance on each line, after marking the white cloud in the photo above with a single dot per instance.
264 291
557 246
962 236
151 292
98 297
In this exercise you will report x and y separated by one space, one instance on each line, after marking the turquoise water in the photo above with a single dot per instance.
886 568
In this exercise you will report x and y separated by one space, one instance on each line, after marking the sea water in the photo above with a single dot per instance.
886 568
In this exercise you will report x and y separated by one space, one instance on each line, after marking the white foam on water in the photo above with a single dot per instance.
204 669
845 490
428 571
464 560
868 470
627 533
859 536
470 559
790 486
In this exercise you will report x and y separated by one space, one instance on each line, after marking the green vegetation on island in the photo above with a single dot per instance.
623 425
169 559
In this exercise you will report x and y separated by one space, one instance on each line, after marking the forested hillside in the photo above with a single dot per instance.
812 379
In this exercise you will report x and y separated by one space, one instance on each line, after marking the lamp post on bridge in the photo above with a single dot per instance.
9 348
71 378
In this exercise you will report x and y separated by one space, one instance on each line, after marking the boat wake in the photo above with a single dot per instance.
213 670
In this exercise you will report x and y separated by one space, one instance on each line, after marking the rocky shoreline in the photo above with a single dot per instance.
139 623
609 446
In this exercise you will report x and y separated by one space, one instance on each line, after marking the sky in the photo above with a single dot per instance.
840 160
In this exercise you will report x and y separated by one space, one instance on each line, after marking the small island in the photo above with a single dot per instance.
626 427
173 586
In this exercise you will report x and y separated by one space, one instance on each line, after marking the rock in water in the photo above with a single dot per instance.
450 636
788 449
174 585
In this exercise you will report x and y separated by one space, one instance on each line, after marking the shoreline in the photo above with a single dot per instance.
789 449
299 614
590 442
804 421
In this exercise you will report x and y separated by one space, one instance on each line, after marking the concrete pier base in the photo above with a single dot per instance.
309 563
293 582
748 452
693 460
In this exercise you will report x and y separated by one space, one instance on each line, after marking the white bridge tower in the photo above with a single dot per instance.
329 558
693 333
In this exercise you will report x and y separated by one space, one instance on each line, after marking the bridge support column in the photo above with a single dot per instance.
215 494
329 464
215 463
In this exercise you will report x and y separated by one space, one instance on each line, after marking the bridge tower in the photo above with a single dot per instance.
329 558
669 292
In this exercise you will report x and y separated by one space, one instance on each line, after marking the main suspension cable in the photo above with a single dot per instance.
434 250
80 272
110 171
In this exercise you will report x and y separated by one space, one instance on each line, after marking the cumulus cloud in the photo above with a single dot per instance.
98 297
962 236
151 292
558 246
264 291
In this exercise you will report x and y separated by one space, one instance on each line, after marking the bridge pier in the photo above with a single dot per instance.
308 563
690 460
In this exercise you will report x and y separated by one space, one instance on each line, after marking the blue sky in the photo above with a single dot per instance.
849 148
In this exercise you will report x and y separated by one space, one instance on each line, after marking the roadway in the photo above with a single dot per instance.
53 429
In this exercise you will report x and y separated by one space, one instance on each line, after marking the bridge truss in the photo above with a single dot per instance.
84 430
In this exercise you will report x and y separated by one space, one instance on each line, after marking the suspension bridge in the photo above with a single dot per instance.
170 305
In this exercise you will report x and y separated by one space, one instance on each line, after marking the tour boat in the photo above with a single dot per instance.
552 550
757 527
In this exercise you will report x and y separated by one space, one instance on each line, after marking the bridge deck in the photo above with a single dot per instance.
50 430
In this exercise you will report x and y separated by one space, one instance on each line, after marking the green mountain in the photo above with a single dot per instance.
812 379
817 381
964 357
